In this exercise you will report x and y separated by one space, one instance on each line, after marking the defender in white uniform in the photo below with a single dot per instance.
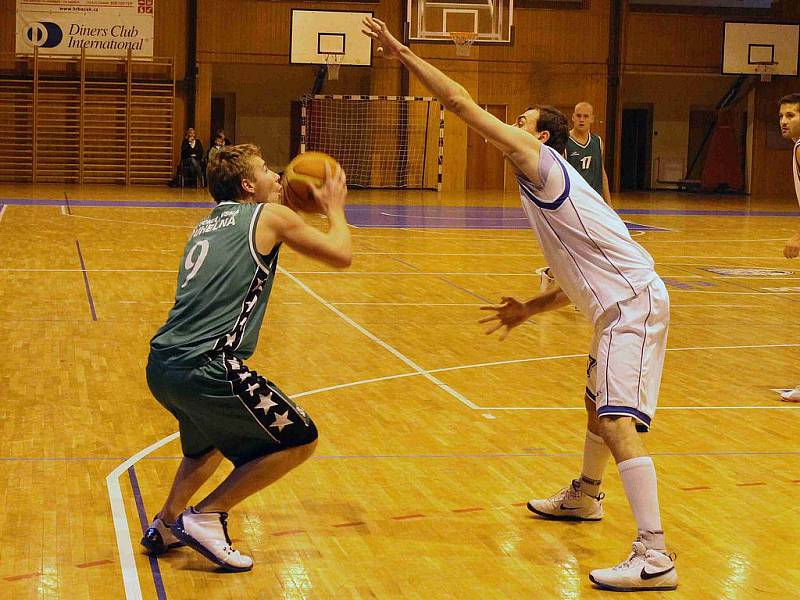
790 129
611 279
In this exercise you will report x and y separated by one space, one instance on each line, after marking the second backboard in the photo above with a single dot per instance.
491 21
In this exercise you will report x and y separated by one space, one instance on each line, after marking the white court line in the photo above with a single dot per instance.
673 290
416 273
461 398
2 211
710 258
714 241
398 273
130 576
126 222
715 305
448 236
404 253
91 270
480 304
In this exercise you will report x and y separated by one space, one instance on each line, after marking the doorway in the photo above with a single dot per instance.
637 127
486 168
223 116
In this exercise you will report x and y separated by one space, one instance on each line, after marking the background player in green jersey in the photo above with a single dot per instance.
196 366
585 150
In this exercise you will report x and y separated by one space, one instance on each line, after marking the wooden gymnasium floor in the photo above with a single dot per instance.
433 435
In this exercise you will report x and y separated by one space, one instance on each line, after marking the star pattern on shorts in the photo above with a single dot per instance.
265 402
281 421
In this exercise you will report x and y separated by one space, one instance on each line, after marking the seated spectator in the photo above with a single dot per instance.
192 157
219 142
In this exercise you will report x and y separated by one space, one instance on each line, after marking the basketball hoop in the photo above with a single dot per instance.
333 62
463 41
765 70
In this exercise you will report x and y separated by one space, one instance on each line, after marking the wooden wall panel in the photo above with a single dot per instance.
656 42
255 31
170 33
8 23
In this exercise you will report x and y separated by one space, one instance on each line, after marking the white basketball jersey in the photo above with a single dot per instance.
585 243
796 170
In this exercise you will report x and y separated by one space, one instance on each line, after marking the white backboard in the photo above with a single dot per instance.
746 44
317 33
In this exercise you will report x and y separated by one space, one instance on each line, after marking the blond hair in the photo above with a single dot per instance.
227 168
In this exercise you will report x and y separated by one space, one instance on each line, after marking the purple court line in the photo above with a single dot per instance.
156 570
86 281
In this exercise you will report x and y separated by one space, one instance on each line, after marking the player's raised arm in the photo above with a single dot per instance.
512 141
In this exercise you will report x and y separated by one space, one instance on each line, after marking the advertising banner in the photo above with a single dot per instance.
102 27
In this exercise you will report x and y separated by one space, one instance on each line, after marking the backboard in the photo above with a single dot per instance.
319 34
746 45
435 20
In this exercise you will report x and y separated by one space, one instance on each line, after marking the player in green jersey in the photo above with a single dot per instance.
585 150
196 366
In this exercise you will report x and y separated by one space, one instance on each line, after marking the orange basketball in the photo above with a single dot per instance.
304 172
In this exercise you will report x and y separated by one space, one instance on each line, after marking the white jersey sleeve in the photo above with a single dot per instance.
585 243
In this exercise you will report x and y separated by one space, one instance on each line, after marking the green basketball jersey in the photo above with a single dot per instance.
587 160
223 289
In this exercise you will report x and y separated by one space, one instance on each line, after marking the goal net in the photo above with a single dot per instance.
380 141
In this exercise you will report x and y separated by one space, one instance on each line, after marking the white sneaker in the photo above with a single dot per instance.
791 396
644 570
159 538
546 279
570 504
208 534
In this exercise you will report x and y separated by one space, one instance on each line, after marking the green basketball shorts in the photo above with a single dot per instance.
224 405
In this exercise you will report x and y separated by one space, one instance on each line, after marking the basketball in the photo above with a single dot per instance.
303 173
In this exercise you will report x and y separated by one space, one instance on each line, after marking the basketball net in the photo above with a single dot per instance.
463 41
333 64
765 70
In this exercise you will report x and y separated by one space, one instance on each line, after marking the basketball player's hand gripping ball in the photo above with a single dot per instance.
305 175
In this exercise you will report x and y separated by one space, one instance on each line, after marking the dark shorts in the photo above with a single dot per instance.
224 405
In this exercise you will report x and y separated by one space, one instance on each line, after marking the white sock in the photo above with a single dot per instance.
595 459
641 487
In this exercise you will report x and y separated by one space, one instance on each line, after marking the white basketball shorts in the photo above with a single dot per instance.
627 356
